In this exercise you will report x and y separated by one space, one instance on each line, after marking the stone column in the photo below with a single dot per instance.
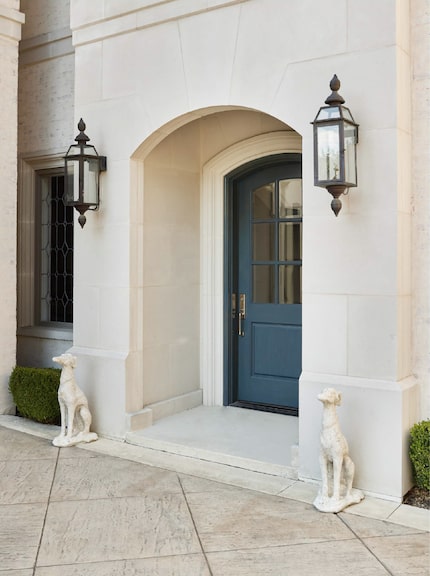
10 33
420 50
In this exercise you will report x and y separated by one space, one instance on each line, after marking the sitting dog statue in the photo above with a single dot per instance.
337 468
75 415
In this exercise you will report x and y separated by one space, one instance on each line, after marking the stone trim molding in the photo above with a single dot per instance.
344 381
46 47
10 24
107 21
26 230
212 250
153 412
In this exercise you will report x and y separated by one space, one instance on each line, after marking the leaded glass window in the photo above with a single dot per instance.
55 252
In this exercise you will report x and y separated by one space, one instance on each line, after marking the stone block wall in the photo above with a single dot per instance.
46 79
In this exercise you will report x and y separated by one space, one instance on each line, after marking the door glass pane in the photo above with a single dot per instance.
290 198
263 284
290 284
290 241
263 202
263 245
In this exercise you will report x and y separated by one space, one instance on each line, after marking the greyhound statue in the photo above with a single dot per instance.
75 415
337 468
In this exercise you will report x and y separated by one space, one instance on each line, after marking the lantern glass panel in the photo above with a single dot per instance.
347 114
350 159
91 181
328 152
82 176
71 189
329 113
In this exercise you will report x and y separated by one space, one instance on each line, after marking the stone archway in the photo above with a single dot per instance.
188 165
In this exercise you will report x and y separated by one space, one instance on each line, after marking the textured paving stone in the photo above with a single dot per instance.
245 519
20 530
406 555
106 477
19 446
117 528
189 565
342 558
25 481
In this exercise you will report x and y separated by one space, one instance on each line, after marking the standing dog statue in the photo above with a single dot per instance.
75 415
337 468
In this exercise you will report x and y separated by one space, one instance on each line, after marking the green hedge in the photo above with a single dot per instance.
35 393
419 453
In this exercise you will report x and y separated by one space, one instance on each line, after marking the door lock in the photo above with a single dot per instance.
242 314
233 306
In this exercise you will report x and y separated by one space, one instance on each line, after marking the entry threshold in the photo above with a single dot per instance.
249 439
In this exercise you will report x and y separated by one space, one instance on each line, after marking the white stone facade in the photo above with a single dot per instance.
176 95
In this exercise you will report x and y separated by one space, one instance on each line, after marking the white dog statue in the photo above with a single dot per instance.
337 468
75 415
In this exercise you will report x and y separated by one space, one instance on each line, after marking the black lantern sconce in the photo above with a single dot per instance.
335 139
82 167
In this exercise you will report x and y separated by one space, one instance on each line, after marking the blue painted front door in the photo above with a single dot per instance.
266 285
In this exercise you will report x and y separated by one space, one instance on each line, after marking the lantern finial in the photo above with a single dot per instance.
334 97
81 138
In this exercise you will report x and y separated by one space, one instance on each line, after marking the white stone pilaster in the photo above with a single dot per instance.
10 33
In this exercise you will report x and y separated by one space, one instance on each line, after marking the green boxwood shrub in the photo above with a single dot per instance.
419 453
35 393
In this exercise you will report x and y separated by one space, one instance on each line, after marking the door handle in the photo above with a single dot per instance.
242 314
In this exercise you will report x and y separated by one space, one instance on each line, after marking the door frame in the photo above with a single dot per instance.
212 248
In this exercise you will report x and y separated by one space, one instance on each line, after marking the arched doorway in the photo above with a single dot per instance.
178 251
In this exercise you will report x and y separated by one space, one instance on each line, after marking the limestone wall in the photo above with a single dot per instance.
420 81
10 32
46 79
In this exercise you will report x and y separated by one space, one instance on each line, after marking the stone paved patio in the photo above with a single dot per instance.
74 511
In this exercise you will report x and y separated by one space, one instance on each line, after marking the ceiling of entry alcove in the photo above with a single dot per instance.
215 130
